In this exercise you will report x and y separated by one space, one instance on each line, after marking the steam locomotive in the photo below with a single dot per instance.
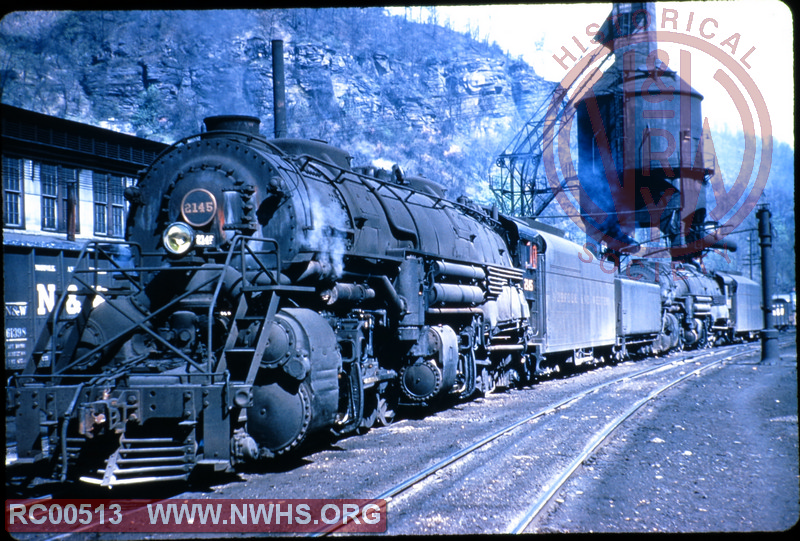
269 292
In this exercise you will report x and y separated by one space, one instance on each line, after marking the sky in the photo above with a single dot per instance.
537 32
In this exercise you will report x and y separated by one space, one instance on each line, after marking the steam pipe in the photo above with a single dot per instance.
397 304
278 89
725 244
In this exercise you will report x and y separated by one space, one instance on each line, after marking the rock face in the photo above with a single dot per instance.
428 98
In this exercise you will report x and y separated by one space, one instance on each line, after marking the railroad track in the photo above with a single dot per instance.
599 438
708 359
405 493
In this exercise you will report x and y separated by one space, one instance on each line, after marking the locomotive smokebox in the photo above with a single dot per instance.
233 123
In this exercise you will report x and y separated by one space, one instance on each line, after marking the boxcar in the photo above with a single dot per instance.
34 274
36 269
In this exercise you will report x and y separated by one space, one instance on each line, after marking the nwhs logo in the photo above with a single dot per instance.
197 516
268 515
657 99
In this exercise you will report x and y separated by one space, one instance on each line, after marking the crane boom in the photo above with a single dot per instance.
523 189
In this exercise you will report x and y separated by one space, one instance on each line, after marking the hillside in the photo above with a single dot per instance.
433 100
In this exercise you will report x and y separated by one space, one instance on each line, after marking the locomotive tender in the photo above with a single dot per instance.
269 292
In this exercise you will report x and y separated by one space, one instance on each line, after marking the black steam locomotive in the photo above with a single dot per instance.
268 292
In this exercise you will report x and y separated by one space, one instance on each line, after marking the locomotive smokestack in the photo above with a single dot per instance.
236 123
278 88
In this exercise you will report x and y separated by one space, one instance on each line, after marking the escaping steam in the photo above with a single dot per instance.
327 236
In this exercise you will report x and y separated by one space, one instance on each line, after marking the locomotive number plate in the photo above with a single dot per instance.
198 207
527 284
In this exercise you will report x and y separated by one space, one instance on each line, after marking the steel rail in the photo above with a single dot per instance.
599 438
397 489
389 494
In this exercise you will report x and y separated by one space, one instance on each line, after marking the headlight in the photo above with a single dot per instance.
178 238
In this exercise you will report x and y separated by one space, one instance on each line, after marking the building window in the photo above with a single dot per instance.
50 192
100 190
13 215
109 205
116 190
59 184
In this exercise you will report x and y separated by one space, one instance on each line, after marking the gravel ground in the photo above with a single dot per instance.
704 457
718 454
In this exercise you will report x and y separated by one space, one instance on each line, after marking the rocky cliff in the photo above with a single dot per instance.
435 101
